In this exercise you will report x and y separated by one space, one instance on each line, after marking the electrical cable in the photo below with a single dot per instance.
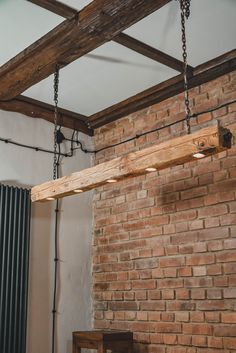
85 150
35 148
192 116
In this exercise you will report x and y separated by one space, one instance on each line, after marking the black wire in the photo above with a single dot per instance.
85 150
194 115
37 149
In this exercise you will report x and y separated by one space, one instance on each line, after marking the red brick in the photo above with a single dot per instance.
225 330
202 259
212 316
192 193
182 316
185 272
144 284
197 329
153 305
172 261
183 216
230 293
197 316
168 327
229 318
214 294
230 268
230 343
209 305
226 256
212 211
170 339
199 341
215 342
213 270
198 294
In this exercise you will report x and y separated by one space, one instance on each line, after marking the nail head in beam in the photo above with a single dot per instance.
167 154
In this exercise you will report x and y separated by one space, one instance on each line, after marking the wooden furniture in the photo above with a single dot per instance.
116 341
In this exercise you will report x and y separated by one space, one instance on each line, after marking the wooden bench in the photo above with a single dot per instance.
116 341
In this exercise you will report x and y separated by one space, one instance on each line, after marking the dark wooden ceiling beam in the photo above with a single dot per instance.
150 52
201 74
37 109
97 23
122 38
56 7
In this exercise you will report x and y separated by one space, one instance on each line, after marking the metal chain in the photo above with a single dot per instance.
185 13
56 84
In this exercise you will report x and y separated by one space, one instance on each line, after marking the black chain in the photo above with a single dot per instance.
56 163
56 84
185 13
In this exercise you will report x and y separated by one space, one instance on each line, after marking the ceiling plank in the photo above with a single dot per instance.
97 23
169 88
150 52
170 153
56 7
37 109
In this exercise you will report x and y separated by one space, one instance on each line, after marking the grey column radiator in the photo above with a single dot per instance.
14 262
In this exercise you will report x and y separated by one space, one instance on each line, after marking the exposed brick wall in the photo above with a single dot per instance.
165 243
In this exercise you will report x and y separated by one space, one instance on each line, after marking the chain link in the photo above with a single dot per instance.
185 13
56 85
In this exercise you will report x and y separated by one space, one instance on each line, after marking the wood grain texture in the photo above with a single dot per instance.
96 24
36 109
170 153
150 52
169 88
56 7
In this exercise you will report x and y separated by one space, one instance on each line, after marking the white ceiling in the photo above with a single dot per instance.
112 72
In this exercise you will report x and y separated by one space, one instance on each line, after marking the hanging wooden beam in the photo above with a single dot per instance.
37 109
150 52
209 140
96 24
201 74
56 7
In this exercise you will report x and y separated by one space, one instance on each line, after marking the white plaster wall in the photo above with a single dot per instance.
23 167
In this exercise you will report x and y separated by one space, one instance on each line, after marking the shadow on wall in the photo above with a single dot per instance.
39 305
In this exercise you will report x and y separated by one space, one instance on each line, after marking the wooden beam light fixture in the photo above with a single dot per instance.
207 141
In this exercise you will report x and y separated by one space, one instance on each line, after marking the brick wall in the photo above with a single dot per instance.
164 263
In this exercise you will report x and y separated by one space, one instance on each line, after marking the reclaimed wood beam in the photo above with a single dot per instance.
96 24
56 7
173 152
150 52
37 109
122 38
201 74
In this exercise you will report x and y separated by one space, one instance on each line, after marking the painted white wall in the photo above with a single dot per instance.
23 167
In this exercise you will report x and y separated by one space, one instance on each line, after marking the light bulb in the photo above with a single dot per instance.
111 181
151 169
198 155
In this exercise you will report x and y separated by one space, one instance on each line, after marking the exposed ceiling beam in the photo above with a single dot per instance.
150 52
97 23
201 74
36 109
122 38
57 7
173 152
